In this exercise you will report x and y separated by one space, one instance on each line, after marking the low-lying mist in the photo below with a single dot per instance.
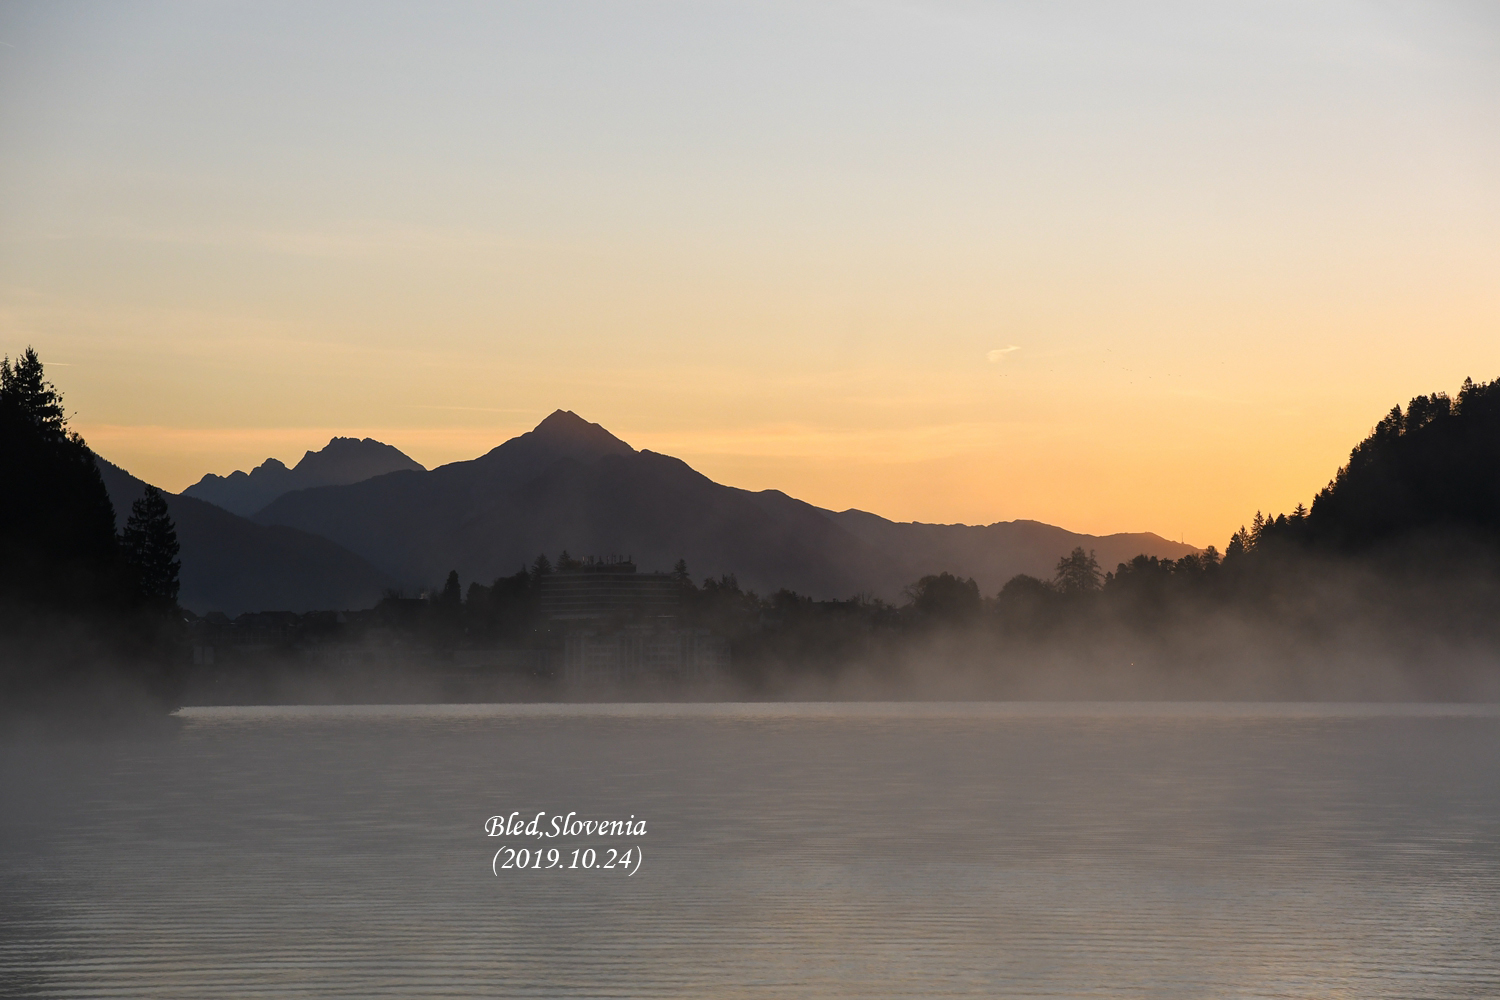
1415 622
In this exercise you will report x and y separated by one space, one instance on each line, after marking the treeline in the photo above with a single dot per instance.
86 614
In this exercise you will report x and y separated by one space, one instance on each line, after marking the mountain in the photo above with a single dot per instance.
231 564
570 484
993 553
340 462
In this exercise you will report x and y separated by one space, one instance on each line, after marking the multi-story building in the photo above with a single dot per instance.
596 592
650 654
624 627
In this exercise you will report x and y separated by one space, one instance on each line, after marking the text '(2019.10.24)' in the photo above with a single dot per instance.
582 857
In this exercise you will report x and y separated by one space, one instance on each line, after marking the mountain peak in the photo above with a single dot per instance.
567 431
350 460
343 460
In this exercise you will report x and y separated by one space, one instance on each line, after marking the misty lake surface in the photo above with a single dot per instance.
813 850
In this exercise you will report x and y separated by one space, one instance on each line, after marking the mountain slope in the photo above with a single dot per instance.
996 552
572 485
231 564
340 462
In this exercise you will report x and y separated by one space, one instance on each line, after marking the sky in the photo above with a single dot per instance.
1117 267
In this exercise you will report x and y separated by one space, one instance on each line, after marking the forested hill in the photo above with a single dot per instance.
1431 471
1434 467
232 564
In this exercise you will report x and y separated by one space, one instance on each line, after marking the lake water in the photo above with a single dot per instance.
1151 851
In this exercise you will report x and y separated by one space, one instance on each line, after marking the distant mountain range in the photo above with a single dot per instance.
231 564
570 484
342 461
358 517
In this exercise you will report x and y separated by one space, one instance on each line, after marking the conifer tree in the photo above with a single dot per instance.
24 387
150 547
1078 572
57 526
452 595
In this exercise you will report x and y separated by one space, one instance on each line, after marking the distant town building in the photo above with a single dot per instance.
635 654
620 626
604 591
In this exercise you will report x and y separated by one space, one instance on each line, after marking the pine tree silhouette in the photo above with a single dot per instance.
27 392
1078 573
57 526
150 544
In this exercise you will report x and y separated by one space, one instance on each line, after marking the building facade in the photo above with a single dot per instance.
596 592
620 626
644 654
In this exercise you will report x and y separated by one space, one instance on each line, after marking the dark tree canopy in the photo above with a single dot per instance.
946 597
57 526
1023 587
81 610
1435 466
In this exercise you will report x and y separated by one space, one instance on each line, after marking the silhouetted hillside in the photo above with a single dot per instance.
1433 468
88 618
57 536
993 553
341 461
231 564
570 484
